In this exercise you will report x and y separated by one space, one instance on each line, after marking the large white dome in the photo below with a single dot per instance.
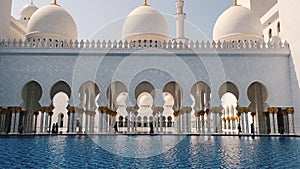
238 23
52 22
145 23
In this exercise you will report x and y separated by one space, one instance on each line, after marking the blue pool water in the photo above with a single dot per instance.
190 152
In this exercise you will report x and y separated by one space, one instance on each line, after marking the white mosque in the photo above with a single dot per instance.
245 81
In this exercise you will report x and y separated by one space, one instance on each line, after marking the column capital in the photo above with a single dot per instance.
284 112
246 109
36 113
202 113
3 110
45 109
275 110
71 109
79 110
112 112
241 110
130 109
197 113
270 110
18 109
103 109
176 113
207 111
290 110
13 109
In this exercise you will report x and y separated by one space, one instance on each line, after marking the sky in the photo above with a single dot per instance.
103 19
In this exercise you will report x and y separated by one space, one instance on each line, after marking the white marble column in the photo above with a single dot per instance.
134 121
220 122
285 122
215 118
202 122
275 124
180 129
161 121
189 119
46 128
275 121
92 122
104 124
80 112
12 121
242 122
86 122
1 119
17 121
74 124
290 112
70 120
42 121
247 123
198 121
223 122
208 113
100 121
128 120
108 120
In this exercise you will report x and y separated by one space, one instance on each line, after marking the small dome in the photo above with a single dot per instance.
238 23
28 10
145 23
52 22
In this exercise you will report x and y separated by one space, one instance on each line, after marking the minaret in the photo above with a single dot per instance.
180 18
5 14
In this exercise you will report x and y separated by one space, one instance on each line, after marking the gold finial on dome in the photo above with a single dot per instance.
55 3
235 2
145 2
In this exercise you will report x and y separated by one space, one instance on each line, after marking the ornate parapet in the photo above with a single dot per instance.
203 45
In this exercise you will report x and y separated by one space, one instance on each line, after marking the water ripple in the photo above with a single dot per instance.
191 152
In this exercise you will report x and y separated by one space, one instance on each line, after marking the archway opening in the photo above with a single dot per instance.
229 117
257 94
172 96
201 95
60 104
31 94
89 93
145 103
60 94
144 94
117 95
229 95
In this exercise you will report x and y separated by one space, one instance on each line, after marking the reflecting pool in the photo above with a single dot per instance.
174 152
